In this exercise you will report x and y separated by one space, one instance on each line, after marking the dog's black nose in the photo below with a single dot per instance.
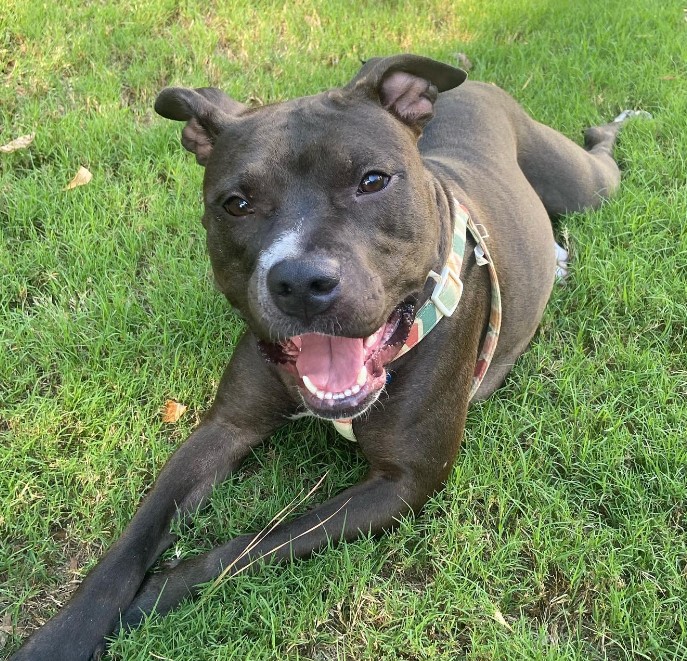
304 287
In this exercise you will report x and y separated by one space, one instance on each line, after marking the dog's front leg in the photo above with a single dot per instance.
405 470
245 411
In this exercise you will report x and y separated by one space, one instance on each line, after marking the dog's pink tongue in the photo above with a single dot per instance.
331 363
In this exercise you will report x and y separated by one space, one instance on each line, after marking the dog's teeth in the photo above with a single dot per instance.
348 392
309 385
369 341
355 389
339 395
328 395
320 394
362 376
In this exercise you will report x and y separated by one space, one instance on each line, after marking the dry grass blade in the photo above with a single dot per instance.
276 520
498 616
319 524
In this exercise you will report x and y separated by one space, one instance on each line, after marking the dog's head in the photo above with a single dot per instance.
322 222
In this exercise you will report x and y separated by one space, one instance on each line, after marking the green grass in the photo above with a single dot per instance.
566 511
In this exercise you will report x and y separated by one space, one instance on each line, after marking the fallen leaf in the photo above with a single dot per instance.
498 616
22 142
81 178
172 411
463 60
5 629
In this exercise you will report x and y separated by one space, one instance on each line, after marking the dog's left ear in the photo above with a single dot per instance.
406 85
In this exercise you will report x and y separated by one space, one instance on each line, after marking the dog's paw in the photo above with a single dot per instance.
631 114
160 592
561 263
98 652
145 601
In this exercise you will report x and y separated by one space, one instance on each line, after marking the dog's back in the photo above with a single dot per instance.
514 173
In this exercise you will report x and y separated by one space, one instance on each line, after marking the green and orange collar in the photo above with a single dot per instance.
444 301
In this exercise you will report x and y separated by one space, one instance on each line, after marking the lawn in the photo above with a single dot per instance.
562 532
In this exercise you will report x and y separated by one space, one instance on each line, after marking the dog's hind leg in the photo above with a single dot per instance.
566 176
600 140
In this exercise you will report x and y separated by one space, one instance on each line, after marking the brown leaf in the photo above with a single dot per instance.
172 411
81 178
22 142
5 629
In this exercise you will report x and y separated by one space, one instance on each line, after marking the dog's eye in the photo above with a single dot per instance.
237 206
373 182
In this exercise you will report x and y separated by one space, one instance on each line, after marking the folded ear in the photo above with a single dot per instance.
406 85
205 110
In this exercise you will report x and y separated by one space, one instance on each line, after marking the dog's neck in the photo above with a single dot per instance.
445 297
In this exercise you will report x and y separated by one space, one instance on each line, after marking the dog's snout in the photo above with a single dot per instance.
304 287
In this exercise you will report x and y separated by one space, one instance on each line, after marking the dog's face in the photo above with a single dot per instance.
322 222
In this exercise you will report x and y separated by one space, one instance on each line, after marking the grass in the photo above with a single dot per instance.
562 531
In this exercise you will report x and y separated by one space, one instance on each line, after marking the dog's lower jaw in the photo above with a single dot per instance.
340 377
350 403
354 412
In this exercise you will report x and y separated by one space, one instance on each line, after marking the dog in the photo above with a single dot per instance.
390 236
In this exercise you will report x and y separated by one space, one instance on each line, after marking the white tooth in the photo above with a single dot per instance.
309 385
320 394
338 395
348 392
355 389
362 376
369 341
328 395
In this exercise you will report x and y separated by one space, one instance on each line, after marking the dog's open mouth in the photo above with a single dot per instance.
338 377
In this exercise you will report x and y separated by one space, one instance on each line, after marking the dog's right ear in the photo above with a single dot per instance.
206 110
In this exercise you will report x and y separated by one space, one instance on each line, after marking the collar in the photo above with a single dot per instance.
445 298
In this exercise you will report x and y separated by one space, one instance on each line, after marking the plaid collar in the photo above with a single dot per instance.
444 301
